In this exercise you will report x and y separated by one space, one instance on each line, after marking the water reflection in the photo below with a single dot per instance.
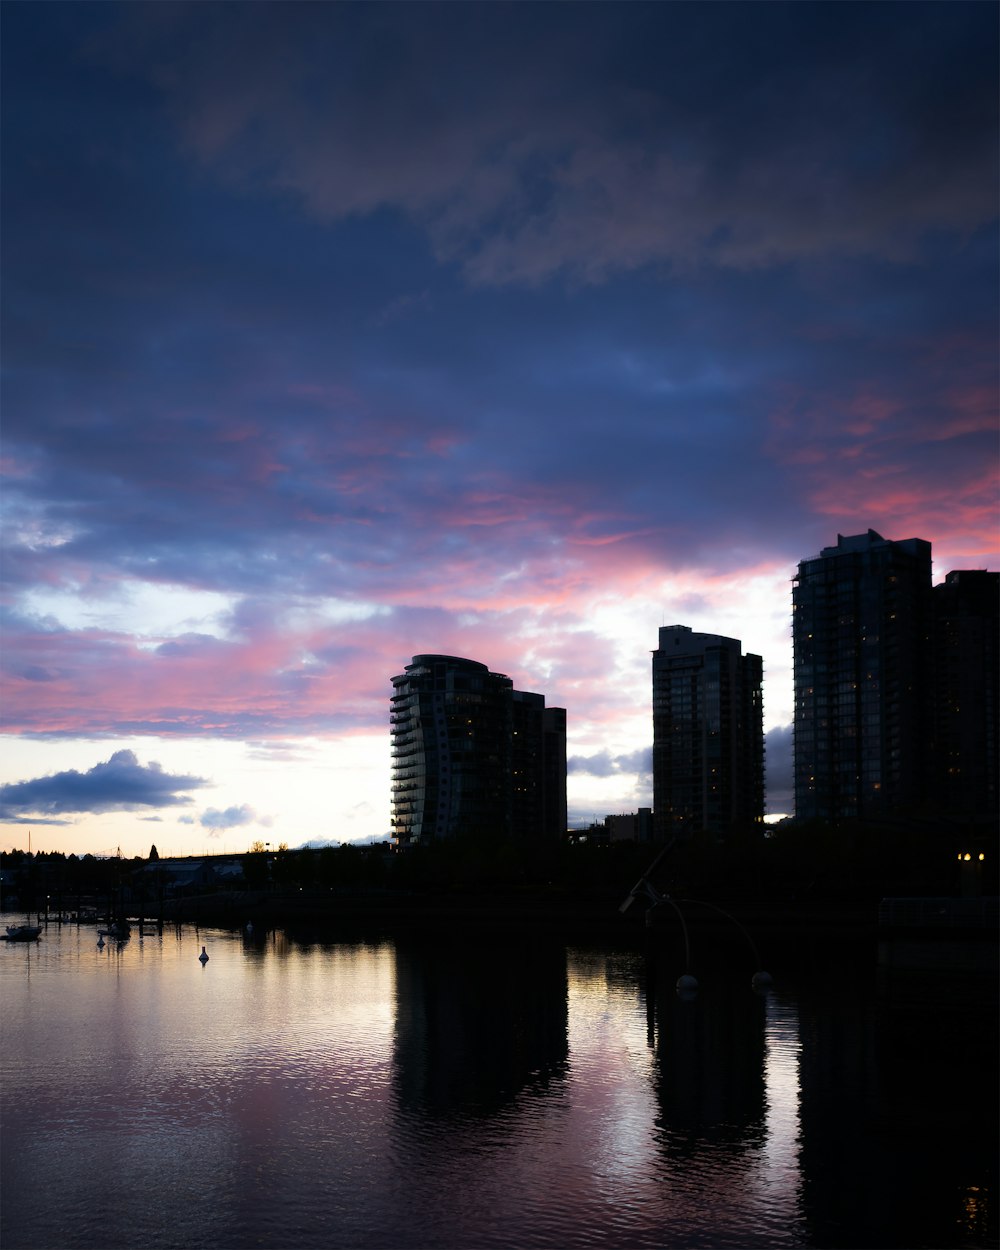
780 1172
471 1095
476 1024
726 1084
710 1062
899 1098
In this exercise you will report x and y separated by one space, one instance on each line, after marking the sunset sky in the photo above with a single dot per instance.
334 334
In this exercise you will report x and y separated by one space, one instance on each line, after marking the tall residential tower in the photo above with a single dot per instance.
861 626
708 735
471 756
967 695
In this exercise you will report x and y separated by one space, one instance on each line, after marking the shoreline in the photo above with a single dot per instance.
766 922
768 919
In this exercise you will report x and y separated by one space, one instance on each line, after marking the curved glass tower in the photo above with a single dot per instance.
472 756
452 733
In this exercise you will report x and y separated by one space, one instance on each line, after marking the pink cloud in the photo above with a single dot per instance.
956 516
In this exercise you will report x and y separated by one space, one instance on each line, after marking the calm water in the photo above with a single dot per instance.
470 1094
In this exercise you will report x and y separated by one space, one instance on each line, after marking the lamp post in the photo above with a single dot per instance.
971 873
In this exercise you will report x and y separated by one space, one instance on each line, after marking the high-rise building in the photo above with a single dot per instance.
861 622
527 746
966 749
539 766
708 735
471 756
451 728
555 818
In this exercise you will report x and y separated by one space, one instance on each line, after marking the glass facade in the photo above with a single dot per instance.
470 755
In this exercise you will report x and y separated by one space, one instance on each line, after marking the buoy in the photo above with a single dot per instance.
100 942
203 956
761 981
687 984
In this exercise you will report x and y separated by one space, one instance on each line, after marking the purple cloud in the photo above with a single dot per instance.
591 168
231 818
677 294
606 764
119 784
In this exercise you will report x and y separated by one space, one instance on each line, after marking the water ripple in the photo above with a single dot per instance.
371 1096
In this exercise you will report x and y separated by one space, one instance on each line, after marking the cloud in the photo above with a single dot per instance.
31 820
677 294
120 784
231 818
605 764
751 142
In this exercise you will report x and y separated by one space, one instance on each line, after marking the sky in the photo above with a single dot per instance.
334 334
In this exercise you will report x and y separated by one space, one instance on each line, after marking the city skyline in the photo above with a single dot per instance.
340 334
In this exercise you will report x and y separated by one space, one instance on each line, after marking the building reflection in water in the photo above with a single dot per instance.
477 1023
899 1112
727 1082
453 1094
710 1064
674 1125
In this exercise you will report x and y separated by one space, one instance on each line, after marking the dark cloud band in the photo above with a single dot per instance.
120 784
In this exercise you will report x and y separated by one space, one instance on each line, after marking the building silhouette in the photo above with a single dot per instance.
629 826
708 735
472 757
861 626
966 647
555 818
539 765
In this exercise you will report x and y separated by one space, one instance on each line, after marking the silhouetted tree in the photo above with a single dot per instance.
154 854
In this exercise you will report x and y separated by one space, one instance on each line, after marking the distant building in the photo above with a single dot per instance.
966 646
630 826
861 625
708 735
190 873
472 757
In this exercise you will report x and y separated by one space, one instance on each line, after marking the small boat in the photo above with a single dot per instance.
22 933
120 930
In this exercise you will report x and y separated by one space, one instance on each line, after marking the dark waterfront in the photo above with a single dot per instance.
477 1090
